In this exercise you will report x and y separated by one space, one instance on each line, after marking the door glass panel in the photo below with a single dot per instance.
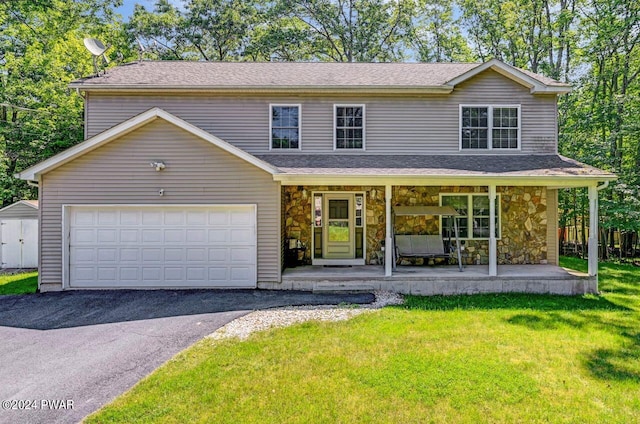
338 209
359 204
318 211
338 230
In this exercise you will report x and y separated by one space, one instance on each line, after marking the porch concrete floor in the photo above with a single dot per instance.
336 273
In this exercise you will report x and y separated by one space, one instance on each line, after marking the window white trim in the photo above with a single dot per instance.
299 106
490 108
364 126
470 214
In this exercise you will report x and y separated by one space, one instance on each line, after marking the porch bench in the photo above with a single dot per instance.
420 246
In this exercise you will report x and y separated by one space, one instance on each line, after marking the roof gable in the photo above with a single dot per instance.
128 126
536 83
28 203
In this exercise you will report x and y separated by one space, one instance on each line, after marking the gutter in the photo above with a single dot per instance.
438 89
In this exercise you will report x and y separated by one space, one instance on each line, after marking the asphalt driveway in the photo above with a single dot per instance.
82 349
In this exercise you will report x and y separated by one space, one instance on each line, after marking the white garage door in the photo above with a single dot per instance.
159 246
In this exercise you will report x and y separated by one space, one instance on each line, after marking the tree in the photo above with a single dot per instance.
436 36
41 51
354 30
539 35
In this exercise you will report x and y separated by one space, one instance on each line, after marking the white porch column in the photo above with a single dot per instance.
493 246
593 231
388 243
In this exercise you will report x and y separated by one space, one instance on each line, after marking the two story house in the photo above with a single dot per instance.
203 174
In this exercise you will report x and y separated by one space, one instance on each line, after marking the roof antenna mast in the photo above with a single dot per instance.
97 50
141 50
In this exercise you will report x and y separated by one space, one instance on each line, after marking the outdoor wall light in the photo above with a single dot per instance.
158 165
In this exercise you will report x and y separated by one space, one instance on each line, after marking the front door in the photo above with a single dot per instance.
338 237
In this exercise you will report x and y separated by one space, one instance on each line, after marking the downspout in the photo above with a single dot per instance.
32 183
603 186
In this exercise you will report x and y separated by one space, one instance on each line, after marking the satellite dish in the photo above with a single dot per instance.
97 49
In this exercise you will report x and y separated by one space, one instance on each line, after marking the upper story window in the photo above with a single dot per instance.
349 127
489 127
285 127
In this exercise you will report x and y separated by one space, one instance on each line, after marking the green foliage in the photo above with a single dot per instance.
436 35
22 283
41 51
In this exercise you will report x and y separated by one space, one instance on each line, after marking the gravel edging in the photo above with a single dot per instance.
241 328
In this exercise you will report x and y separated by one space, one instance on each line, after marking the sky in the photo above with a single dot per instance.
126 9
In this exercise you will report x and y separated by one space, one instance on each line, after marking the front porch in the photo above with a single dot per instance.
448 280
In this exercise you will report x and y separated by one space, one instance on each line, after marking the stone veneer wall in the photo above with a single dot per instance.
523 222
523 219
297 215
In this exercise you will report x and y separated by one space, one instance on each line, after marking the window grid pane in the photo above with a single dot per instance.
475 127
349 127
461 205
505 128
285 127
478 220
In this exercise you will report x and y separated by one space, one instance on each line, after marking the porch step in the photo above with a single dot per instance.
342 287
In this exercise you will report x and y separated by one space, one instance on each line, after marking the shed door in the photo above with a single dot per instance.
162 246
19 243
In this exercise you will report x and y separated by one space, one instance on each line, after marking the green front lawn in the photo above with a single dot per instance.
458 359
23 283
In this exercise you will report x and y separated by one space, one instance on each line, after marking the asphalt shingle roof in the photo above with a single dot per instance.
429 165
289 74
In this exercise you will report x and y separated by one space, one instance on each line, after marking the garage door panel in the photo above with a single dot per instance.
82 255
240 236
151 218
174 235
84 218
129 274
219 218
129 218
174 274
152 274
240 273
241 254
198 218
218 235
151 255
107 255
174 254
218 254
129 254
129 236
83 236
151 235
107 274
174 218
140 246
107 236
107 218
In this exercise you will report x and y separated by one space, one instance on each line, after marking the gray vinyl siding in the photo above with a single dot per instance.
552 226
412 125
196 173
19 211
